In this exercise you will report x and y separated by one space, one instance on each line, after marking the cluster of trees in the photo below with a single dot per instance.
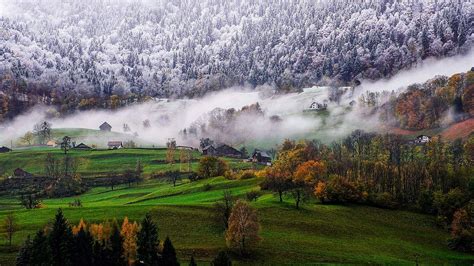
124 51
98 244
381 170
230 125
426 105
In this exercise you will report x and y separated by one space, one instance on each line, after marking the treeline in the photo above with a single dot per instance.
106 243
428 105
127 50
385 171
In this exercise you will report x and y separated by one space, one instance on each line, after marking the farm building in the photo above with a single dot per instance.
262 157
4 149
316 106
228 151
422 139
82 146
51 143
114 145
209 151
105 127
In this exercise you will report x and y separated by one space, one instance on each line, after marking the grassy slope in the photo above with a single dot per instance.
318 233
97 162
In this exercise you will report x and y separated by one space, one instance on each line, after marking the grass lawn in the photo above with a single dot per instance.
315 234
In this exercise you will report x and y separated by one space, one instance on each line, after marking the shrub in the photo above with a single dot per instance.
253 195
384 200
247 174
338 190
447 204
211 167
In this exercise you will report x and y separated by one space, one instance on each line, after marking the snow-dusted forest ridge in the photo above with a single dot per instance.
99 48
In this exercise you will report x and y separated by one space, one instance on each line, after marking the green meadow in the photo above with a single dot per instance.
317 233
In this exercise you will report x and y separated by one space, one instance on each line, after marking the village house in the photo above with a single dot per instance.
261 157
105 127
223 150
316 106
4 149
51 143
114 145
228 151
422 139
82 146
209 151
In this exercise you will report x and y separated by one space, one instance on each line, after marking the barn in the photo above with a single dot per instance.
105 127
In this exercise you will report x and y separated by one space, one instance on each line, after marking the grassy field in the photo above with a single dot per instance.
315 234
99 162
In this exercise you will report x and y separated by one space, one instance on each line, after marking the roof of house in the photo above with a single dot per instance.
4 149
105 125
114 143
224 148
82 146
208 147
21 172
262 153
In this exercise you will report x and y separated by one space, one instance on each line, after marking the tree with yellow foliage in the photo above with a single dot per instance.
243 231
129 233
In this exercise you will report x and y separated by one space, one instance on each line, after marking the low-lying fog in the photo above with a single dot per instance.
168 117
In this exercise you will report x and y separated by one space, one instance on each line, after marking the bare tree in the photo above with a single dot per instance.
10 227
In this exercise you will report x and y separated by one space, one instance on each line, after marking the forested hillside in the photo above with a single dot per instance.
106 54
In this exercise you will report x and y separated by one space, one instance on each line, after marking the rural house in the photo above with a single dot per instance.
114 145
422 139
261 157
228 151
82 146
316 106
209 151
51 143
105 127
4 149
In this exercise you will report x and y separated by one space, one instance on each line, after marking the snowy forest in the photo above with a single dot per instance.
79 55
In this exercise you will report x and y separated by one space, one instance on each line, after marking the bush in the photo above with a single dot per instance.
247 174
211 167
447 204
253 195
384 200
338 190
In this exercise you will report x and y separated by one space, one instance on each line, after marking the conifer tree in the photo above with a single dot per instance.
83 248
39 249
168 256
147 240
116 245
61 241
24 256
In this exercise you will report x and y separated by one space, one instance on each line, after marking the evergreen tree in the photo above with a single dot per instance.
116 245
40 252
24 256
147 240
222 259
83 248
61 241
168 255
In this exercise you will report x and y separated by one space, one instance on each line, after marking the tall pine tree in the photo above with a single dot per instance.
147 240
61 241
168 256
116 245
